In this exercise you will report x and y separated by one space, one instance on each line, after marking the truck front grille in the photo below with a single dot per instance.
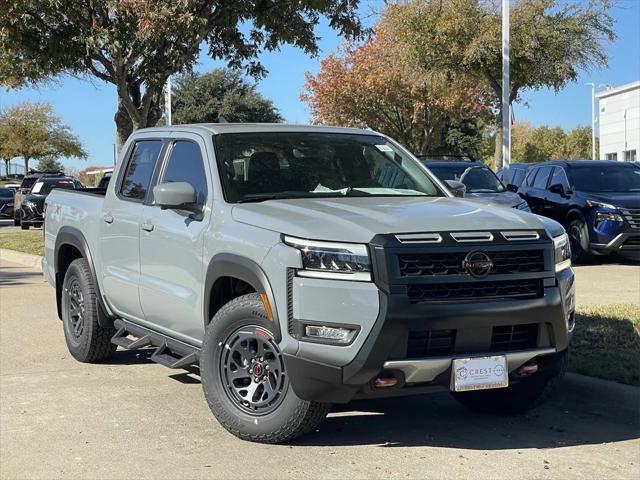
506 289
431 343
435 264
632 216
508 338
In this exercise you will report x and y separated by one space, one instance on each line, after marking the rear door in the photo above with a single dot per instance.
120 227
172 246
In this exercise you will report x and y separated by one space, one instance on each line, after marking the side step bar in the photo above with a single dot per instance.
169 352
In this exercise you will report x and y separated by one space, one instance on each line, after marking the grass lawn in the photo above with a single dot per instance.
27 241
606 342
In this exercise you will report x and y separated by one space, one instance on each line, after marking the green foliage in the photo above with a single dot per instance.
33 131
550 40
204 97
50 164
531 144
137 44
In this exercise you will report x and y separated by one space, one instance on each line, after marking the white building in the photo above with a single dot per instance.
619 117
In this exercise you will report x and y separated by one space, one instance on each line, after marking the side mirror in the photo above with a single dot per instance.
176 196
458 189
557 188
512 188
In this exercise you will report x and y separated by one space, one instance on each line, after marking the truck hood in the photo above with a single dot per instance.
358 219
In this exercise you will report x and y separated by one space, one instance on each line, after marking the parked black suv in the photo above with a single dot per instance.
598 202
25 187
31 211
481 183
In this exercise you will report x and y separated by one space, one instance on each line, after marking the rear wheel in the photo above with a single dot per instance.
579 239
244 377
86 340
520 397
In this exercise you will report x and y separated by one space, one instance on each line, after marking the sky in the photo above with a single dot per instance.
88 106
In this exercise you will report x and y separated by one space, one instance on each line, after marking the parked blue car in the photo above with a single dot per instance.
598 202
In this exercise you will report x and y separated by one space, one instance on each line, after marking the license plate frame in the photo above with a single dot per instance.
479 373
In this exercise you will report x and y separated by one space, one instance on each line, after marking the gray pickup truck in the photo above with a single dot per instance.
304 266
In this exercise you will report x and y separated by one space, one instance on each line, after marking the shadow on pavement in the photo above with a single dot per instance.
11 276
579 414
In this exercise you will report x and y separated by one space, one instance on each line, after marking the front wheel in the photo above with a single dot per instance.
16 220
520 397
244 378
579 240
24 226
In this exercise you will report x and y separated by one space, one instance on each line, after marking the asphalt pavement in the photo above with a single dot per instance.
131 418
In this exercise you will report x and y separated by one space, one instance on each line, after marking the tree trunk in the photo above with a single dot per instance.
125 125
26 165
497 155
6 167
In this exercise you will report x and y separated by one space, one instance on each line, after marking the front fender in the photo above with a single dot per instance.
230 265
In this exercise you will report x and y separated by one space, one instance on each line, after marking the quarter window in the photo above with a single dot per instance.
542 178
137 178
185 165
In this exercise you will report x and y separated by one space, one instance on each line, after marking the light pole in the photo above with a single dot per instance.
167 101
593 119
506 104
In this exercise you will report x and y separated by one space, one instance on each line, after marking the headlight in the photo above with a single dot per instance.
340 261
562 250
606 206
524 206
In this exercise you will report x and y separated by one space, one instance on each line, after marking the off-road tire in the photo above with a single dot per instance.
292 418
579 238
94 342
518 398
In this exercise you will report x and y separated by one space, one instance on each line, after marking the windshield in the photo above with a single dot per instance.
477 178
606 178
268 165
44 187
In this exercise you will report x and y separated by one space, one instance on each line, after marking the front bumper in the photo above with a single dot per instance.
31 214
385 350
629 240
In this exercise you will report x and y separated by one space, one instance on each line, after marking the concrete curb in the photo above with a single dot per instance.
26 259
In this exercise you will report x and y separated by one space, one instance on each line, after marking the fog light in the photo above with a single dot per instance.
334 334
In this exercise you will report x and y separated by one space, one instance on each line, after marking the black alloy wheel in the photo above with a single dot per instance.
252 370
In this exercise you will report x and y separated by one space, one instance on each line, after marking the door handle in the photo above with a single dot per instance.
147 226
108 218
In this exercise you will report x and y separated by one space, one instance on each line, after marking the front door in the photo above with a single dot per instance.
120 229
172 248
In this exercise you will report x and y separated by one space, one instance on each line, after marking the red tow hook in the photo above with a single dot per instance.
387 382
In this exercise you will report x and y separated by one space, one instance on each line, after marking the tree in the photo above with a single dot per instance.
137 44
50 164
205 97
33 132
531 144
551 41
372 85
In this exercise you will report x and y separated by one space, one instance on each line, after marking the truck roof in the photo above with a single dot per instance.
219 128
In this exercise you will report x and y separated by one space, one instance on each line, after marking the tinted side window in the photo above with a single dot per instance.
542 177
185 165
140 169
531 176
559 177
518 177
